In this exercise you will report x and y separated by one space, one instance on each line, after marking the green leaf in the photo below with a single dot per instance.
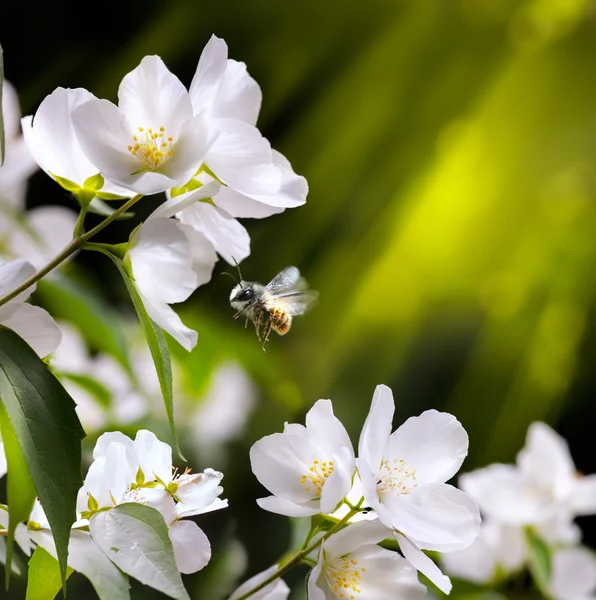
85 557
539 562
157 346
99 207
2 141
20 487
97 321
135 538
91 386
44 580
94 183
47 429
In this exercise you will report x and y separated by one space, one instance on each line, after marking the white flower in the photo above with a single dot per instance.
403 476
32 323
307 469
277 590
151 141
51 139
168 262
499 550
141 471
46 231
18 163
543 487
352 566
573 574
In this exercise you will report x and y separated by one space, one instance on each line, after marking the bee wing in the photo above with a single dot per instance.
298 301
287 280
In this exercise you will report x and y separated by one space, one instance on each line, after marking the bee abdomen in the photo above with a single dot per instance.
280 321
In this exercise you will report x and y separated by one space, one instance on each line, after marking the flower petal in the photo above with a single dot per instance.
152 97
350 538
276 590
192 549
154 456
12 274
242 158
583 496
209 74
439 518
229 238
197 492
377 428
161 260
36 327
573 574
339 483
325 429
314 591
176 204
287 508
435 444
423 563
239 95
203 253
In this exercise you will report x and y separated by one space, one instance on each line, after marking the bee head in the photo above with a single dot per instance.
241 295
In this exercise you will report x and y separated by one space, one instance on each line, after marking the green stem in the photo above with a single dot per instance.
80 221
299 556
72 247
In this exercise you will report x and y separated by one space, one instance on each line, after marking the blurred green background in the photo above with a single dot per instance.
450 149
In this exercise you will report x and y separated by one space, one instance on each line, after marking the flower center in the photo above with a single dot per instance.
344 578
317 474
395 476
152 148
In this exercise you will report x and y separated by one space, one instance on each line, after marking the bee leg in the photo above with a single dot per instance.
246 323
266 333
258 326
237 314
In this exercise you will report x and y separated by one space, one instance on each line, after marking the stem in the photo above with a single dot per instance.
72 247
298 557
80 221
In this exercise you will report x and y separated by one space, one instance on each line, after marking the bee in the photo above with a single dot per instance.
274 305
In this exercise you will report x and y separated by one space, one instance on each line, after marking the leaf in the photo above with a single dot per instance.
20 487
85 557
157 346
91 386
44 580
99 207
135 538
45 424
539 562
2 140
100 325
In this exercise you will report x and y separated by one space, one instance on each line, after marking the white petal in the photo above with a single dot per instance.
11 112
161 260
203 253
210 72
546 460
197 492
574 574
325 429
239 95
154 457
280 460
355 535
229 238
377 428
314 591
339 483
242 158
115 437
192 549
51 136
164 316
36 327
179 203
52 228
435 444
423 564
583 496
276 590
504 494
12 274
287 508
292 193
152 97
439 518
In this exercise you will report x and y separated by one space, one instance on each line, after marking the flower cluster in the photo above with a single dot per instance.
394 489
540 495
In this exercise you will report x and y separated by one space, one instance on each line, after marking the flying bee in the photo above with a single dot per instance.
272 306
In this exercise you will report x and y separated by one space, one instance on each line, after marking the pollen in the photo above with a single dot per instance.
317 474
344 578
152 148
396 476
